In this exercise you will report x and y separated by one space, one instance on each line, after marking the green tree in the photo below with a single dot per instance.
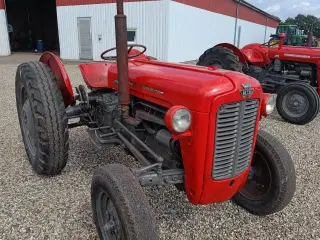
308 23
313 24
301 21
290 21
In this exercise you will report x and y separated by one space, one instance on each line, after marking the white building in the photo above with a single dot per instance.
172 30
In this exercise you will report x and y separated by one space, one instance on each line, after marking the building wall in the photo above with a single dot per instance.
173 30
4 39
195 26
253 33
193 30
86 2
269 32
229 8
148 17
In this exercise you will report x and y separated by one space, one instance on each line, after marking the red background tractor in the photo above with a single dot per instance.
194 127
293 73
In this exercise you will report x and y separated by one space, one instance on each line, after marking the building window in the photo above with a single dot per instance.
131 35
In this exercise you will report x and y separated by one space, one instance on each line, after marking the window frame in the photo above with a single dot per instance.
135 36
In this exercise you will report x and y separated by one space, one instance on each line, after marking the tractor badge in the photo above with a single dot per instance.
247 91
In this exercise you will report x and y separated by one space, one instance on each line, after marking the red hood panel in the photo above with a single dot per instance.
179 84
295 52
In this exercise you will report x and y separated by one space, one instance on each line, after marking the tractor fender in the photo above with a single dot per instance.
242 57
61 75
256 54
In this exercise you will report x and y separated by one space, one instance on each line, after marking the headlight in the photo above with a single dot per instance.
178 119
181 120
269 103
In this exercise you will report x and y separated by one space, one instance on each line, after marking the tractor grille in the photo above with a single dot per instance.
235 128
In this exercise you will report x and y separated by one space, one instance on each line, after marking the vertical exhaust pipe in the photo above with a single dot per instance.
122 64
122 55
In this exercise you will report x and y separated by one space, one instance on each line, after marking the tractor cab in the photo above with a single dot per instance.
294 36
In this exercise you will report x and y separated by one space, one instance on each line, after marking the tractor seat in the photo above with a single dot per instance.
95 74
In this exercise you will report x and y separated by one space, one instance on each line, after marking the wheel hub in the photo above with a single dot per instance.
29 126
259 180
108 218
296 104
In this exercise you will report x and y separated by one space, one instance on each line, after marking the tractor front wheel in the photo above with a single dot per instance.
298 103
120 207
42 118
272 181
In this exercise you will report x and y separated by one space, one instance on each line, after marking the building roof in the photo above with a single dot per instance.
245 3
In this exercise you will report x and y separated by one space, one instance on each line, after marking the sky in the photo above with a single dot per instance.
288 8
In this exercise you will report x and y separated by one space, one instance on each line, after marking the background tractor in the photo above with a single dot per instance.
196 128
293 73
294 36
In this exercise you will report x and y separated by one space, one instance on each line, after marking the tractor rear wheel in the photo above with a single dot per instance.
298 103
272 180
220 57
42 118
120 207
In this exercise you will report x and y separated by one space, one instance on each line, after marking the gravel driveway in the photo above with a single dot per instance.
33 207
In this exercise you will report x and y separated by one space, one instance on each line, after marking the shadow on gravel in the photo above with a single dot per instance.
84 156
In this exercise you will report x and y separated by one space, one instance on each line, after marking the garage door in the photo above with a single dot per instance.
85 38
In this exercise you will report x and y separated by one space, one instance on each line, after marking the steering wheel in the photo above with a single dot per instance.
130 47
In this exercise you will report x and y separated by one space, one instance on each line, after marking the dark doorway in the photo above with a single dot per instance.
34 25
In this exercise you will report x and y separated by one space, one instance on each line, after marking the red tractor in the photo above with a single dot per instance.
194 127
293 73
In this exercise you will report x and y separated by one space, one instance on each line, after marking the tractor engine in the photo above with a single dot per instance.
99 108
299 71
279 73
105 108
153 131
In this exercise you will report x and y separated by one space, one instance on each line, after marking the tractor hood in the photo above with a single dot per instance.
169 84
295 52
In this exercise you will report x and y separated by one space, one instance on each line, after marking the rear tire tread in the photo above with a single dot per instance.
133 208
286 172
229 59
50 117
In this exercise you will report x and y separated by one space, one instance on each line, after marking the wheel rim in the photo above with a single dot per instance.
215 62
259 182
108 218
295 104
28 124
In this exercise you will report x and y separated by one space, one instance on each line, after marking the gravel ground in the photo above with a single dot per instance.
33 207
